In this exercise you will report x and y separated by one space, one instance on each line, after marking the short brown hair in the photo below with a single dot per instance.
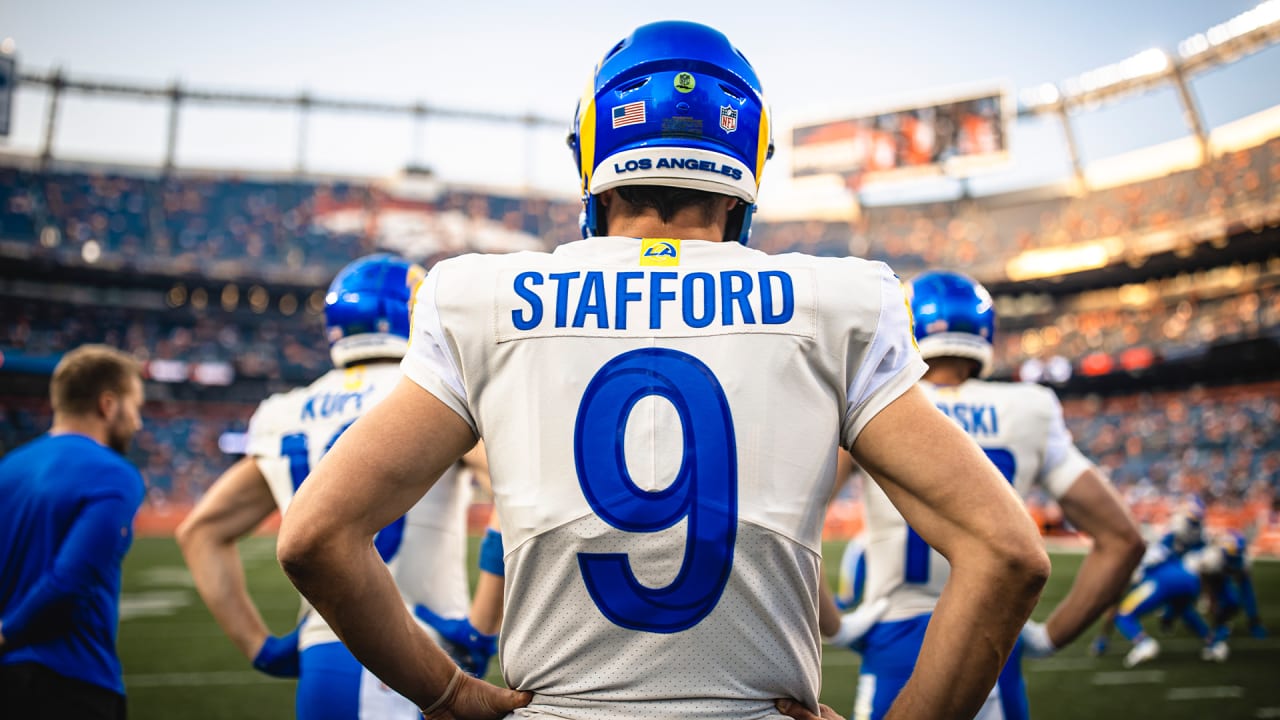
667 201
85 373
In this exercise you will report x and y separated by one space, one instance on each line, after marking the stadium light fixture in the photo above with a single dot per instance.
1266 13
1041 97
1053 261
1240 34
1147 63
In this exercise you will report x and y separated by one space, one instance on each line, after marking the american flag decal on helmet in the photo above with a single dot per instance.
629 114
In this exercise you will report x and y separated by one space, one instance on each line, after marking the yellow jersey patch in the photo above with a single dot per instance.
659 252
353 378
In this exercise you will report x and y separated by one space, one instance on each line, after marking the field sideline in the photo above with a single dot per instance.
177 662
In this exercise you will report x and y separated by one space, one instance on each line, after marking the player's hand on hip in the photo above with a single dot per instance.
793 709
855 625
479 700
1035 641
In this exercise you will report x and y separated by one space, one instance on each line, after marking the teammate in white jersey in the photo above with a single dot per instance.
367 318
1021 429
661 408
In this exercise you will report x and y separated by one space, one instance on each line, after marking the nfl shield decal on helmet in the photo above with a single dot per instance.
728 118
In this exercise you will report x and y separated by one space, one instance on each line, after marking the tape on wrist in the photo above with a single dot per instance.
446 698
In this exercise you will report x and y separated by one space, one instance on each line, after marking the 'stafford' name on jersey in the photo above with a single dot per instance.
652 299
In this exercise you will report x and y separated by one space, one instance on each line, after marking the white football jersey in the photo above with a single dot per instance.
1020 427
661 419
426 549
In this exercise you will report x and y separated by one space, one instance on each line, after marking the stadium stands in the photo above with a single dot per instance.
183 224
177 449
191 270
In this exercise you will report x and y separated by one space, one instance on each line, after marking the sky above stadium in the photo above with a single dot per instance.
816 60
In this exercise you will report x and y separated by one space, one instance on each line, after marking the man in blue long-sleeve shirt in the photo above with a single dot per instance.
68 500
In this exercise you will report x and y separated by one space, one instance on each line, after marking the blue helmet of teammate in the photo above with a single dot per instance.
1188 519
673 104
954 317
366 311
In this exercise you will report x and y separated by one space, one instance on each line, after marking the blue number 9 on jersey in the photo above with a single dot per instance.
705 489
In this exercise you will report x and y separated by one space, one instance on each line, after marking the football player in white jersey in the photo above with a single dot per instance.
1021 429
661 407
424 549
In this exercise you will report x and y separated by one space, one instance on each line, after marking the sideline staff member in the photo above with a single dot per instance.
69 498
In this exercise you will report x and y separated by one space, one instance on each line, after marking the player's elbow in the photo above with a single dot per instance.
186 534
1130 546
192 533
1023 562
300 548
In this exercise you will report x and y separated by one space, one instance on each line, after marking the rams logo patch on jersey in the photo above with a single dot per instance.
659 252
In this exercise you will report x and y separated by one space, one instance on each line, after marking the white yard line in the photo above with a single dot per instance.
1062 665
153 603
1129 677
166 576
196 679
1205 693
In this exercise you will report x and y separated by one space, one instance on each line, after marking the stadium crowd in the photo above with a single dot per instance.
255 227
237 227
296 230
177 449
273 346
1223 443
1168 325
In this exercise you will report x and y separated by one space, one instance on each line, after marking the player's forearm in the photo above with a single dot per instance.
1102 577
486 605
973 629
828 614
1092 505
347 583
219 577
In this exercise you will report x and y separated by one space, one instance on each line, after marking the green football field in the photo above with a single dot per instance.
178 664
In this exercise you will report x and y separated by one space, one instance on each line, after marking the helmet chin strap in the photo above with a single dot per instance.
591 221
737 227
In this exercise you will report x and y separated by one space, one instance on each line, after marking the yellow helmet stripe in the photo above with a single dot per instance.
587 135
762 142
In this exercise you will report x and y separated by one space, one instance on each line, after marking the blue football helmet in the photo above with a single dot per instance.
366 311
673 104
954 317
1187 523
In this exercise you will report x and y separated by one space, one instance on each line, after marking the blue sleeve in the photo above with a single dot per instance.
491 553
94 543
